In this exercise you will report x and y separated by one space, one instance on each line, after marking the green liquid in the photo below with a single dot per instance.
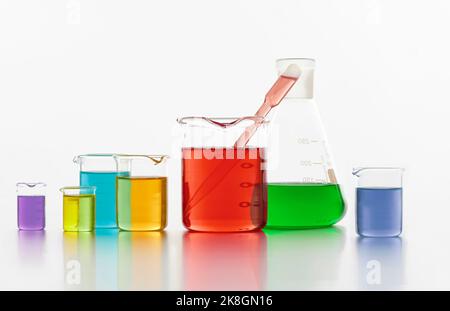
294 205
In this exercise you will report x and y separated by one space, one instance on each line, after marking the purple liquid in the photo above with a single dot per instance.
31 212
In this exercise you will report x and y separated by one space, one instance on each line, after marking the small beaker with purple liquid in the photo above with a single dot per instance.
31 206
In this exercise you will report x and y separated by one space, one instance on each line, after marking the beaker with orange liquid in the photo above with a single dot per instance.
223 185
142 194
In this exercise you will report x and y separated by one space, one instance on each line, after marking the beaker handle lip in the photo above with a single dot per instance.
357 170
156 158
31 184
223 122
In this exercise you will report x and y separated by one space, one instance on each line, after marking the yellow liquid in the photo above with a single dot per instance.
142 203
79 212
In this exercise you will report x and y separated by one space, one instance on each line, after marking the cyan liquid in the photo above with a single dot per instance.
105 193
379 211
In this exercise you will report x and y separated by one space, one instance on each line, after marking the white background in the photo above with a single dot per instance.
91 76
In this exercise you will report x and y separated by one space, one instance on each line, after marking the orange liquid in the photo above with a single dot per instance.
142 203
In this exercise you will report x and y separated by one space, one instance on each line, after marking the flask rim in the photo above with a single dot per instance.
300 61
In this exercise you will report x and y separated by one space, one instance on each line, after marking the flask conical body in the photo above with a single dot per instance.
303 191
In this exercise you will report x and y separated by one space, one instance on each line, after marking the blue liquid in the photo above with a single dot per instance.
105 196
379 212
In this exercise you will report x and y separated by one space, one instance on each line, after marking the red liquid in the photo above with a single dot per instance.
224 189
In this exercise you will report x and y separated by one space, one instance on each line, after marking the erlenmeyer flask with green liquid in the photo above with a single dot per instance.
303 191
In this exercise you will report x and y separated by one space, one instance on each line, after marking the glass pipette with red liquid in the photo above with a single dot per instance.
273 98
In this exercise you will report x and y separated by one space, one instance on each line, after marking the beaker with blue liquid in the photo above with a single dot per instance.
379 201
99 170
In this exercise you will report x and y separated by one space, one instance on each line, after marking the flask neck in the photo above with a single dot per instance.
304 87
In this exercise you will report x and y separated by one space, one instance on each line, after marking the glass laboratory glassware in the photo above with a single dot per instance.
142 192
379 201
303 191
31 206
223 186
99 171
78 208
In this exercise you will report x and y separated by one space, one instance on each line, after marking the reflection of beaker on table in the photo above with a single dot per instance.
32 260
106 259
142 263
380 263
31 246
221 261
79 260
303 259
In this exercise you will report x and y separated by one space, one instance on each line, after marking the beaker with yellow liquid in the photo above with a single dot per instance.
142 194
78 208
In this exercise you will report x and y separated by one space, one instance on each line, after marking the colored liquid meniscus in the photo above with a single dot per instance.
301 205
142 203
79 212
224 192
31 212
379 211
105 183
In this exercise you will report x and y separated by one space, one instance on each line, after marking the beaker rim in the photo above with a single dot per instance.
87 155
93 188
357 170
222 122
78 158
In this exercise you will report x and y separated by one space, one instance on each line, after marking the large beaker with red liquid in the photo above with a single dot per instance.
223 184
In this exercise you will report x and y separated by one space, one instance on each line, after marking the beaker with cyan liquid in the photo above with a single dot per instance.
379 197
303 191
223 185
31 206
99 171
142 193
78 208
